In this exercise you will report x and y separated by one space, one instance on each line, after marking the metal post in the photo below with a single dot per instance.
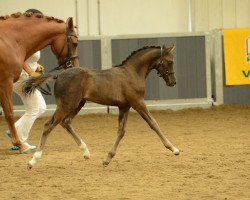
208 68
218 65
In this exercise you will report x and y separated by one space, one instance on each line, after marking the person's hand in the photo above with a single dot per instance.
39 68
35 74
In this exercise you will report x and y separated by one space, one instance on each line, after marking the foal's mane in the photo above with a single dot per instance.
135 52
30 14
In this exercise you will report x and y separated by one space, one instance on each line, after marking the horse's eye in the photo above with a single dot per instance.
170 62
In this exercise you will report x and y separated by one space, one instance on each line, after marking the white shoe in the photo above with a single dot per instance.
28 150
30 147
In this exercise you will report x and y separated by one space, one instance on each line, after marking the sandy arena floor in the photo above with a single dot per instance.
214 162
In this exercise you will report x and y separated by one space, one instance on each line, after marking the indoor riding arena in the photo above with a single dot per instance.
205 115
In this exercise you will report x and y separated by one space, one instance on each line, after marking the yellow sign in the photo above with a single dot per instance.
237 56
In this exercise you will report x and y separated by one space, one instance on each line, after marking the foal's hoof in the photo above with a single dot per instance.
29 166
105 163
86 155
176 151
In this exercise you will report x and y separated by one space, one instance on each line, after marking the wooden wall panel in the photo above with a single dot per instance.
61 9
119 17
200 15
215 14
229 13
242 13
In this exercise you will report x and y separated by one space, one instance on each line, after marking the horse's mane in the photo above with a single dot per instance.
135 52
30 14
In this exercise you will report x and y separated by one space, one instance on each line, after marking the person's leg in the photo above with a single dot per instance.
34 106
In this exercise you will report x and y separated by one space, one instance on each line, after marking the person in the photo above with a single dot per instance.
34 104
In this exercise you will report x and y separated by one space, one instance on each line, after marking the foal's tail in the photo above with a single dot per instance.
33 83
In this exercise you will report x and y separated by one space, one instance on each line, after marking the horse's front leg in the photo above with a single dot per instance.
122 119
143 111
6 101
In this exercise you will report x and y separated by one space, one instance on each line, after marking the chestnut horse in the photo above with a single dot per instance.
122 86
21 35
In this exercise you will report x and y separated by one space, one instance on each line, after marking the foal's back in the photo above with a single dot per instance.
114 86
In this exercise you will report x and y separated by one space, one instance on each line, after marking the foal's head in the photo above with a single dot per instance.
164 65
65 46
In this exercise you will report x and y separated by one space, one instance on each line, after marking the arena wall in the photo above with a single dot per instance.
192 67
126 17
110 30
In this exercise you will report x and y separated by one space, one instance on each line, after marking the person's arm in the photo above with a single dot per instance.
29 71
27 68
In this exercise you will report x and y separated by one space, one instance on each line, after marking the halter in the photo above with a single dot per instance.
161 64
67 62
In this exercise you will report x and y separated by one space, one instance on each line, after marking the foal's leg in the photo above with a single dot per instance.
48 127
66 124
122 119
143 111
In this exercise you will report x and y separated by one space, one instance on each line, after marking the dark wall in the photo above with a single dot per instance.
189 64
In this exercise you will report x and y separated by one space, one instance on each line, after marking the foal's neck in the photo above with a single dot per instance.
145 63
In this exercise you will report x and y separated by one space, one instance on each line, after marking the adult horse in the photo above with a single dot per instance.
21 35
122 86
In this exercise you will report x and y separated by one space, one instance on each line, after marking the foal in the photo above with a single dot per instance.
122 86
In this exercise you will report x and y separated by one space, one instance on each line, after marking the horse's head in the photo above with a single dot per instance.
164 65
65 46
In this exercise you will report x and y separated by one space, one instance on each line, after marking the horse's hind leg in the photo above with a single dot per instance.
66 124
143 111
123 115
48 127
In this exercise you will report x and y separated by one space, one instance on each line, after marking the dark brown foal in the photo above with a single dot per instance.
122 86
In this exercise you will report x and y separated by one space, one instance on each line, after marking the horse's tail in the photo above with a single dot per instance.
33 83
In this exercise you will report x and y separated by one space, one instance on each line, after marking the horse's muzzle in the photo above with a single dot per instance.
172 84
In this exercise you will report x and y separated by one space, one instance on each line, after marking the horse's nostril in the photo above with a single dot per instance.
173 83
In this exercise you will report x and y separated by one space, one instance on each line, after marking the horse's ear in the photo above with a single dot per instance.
70 23
170 49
